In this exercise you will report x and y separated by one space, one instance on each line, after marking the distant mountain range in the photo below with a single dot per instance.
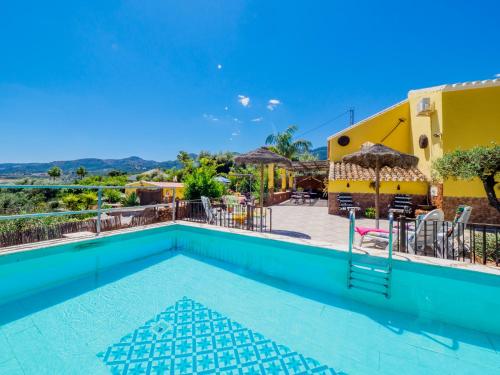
321 153
133 165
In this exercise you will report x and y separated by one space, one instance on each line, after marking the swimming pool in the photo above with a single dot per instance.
180 299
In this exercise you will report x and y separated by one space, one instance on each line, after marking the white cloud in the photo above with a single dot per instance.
219 66
257 119
273 103
209 117
235 134
244 100
497 75
237 120
226 108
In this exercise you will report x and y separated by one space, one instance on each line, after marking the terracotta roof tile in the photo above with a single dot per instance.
354 172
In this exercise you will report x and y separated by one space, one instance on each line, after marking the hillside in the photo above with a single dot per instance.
132 164
320 152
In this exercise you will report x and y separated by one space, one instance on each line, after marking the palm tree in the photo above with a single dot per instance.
81 172
54 172
284 144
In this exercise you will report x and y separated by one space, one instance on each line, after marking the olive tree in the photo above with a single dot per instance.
481 162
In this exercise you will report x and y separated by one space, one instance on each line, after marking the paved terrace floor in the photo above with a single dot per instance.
314 223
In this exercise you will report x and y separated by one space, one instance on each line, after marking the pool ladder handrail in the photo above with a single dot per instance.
367 274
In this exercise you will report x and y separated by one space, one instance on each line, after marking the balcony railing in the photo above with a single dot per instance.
241 216
473 242
94 220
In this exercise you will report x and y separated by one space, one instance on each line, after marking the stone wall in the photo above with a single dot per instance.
277 197
366 200
482 212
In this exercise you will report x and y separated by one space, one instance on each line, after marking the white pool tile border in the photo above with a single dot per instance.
266 235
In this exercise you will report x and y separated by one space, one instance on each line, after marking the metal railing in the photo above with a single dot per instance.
241 216
131 216
474 243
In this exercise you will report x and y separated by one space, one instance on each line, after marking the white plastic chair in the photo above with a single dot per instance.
209 211
427 232
446 239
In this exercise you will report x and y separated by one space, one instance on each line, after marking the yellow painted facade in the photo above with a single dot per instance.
166 192
373 129
270 177
462 116
283 179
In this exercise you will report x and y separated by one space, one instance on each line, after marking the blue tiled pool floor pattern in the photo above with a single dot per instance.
189 338
61 330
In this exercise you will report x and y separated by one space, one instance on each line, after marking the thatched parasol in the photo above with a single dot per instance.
262 156
377 156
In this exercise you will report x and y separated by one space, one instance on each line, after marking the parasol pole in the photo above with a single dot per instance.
377 188
261 198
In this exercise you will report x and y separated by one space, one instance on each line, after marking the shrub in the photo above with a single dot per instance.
131 200
370 213
200 182
491 246
53 205
72 202
112 195
83 201
88 199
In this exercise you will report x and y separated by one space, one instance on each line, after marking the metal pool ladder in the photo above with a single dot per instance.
374 275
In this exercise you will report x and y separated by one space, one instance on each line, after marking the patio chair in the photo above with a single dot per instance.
230 201
296 197
427 232
210 212
446 240
249 199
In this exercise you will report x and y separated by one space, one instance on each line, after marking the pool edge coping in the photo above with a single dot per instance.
406 258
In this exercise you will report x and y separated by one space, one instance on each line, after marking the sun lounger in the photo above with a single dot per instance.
346 202
425 235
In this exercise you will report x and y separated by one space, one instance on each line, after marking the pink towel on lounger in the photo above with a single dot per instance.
364 230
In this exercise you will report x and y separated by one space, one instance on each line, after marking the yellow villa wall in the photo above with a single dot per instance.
386 187
474 188
374 129
166 192
426 125
472 118
462 119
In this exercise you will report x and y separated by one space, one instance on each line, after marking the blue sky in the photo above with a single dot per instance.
115 78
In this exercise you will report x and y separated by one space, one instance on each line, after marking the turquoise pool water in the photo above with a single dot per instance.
183 300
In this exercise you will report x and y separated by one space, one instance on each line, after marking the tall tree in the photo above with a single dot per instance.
54 172
81 172
479 162
184 158
284 143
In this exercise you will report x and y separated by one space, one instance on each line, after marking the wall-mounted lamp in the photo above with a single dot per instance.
398 187
348 185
